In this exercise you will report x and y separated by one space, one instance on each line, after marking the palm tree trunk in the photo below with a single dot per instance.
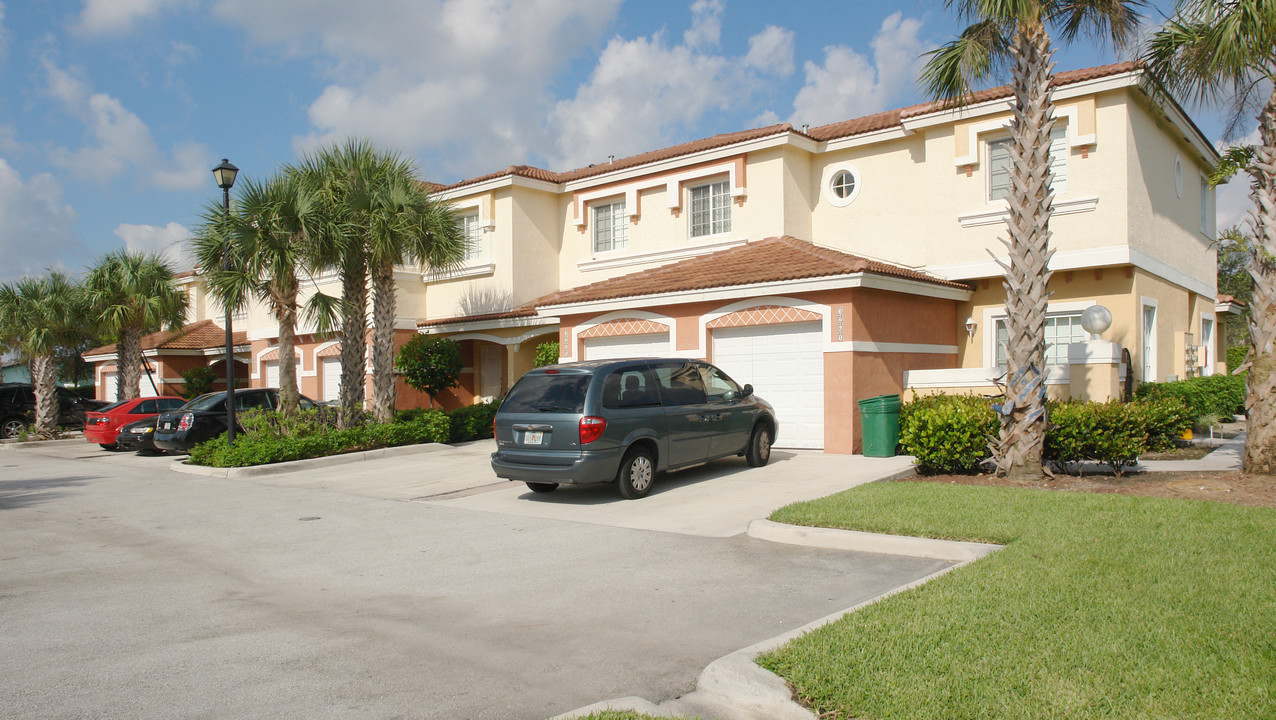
1260 440
129 359
1023 414
44 378
286 314
354 342
384 390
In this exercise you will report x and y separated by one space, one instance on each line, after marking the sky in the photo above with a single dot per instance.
114 112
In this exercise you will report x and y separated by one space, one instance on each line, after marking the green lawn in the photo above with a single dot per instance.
1100 606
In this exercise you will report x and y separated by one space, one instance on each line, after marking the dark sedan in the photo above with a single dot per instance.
138 435
17 408
204 418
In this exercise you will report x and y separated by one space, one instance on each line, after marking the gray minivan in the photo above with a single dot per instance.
624 421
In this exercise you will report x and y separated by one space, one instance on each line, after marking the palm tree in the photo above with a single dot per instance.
1222 51
404 224
265 234
35 316
131 294
1014 34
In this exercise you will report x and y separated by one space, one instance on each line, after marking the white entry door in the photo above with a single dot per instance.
626 346
331 379
110 386
785 366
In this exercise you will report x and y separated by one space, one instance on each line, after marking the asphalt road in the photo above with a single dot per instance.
128 590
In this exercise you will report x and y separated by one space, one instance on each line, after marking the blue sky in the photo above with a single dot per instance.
113 112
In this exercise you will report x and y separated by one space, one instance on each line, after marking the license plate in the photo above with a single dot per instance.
533 437
168 426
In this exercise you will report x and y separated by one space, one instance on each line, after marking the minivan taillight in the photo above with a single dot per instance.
591 428
185 423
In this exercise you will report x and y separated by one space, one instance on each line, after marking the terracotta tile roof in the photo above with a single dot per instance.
1229 299
832 131
774 259
525 311
200 335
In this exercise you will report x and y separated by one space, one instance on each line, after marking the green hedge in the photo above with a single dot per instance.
270 437
472 422
1213 395
1235 357
950 433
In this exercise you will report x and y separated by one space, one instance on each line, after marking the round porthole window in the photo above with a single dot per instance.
1178 175
843 185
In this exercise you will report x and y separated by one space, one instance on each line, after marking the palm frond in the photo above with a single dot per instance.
1109 21
957 67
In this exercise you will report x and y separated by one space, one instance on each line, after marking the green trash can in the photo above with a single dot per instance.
880 418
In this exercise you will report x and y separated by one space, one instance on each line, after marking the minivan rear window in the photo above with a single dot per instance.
547 394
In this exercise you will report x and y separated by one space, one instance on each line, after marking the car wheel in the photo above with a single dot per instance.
637 471
12 428
759 446
542 487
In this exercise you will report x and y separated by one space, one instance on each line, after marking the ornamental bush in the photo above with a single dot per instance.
430 363
947 433
1212 395
546 354
473 422
1235 357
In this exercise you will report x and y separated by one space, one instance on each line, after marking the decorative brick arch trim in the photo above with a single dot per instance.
272 355
628 326
764 315
333 350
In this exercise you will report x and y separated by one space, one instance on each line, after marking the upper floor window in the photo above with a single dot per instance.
473 233
1205 205
611 227
999 164
711 209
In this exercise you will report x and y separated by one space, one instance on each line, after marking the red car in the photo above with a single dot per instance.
100 426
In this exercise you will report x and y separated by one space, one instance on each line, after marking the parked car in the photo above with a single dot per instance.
17 408
102 425
204 417
138 436
625 421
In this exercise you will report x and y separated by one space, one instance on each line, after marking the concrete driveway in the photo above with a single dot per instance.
134 591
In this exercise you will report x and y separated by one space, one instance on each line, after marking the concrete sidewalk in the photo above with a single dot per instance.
1228 456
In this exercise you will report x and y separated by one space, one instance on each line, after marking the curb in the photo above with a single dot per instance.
16 446
291 466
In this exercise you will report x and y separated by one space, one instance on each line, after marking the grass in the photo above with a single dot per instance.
1099 606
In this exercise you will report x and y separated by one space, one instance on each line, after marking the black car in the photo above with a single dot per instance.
17 408
138 435
204 417
624 421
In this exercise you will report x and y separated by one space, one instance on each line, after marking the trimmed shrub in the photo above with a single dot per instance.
473 422
1210 395
1235 356
197 381
546 354
947 433
1113 433
430 363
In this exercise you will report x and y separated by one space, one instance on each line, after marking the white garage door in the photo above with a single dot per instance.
110 386
785 365
272 374
331 379
625 346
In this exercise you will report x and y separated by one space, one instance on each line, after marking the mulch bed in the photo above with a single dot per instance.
1226 486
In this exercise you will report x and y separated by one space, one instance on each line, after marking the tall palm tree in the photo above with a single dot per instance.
35 316
131 294
266 234
404 224
1224 51
1014 35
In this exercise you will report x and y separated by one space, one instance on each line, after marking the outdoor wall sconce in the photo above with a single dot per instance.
970 328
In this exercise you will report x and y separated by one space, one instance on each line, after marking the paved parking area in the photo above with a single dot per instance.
134 591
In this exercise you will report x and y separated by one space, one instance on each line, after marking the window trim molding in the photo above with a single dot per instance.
625 219
729 194
607 263
1145 303
831 171
998 312
1071 113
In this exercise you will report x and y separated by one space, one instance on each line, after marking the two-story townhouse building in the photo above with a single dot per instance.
828 264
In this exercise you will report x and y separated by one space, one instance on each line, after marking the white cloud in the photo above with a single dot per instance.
112 17
418 74
1232 203
118 140
4 34
37 230
848 85
171 241
706 24
645 94
771 51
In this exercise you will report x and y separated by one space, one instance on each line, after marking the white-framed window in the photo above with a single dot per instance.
711 209
999 164
611 227
841 184
1205 205
473 232
1178 175
1062 329
1207 345
1149 340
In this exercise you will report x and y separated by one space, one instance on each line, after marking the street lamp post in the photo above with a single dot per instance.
225 176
